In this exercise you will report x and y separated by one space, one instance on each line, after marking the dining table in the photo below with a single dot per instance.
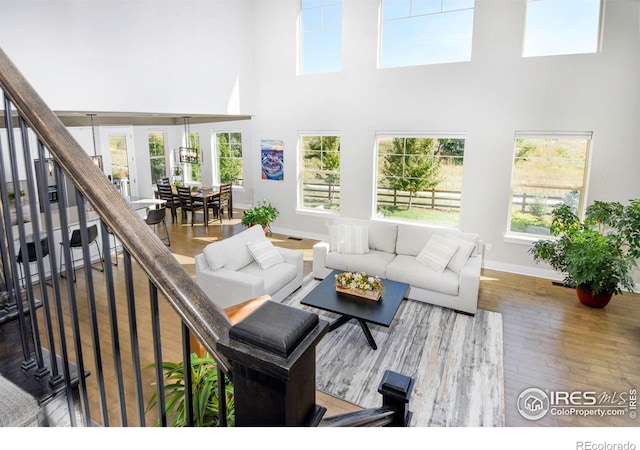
204 195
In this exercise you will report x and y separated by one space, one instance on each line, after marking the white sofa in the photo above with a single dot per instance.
395 252
229 273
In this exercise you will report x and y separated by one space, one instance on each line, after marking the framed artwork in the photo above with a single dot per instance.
272 159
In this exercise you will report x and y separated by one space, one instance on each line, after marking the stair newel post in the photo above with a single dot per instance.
273 365
396 391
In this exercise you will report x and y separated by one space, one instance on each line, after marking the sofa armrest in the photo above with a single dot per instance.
469 283
320 251
291 256
227 287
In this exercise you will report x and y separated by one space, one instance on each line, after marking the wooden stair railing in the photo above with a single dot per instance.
287 363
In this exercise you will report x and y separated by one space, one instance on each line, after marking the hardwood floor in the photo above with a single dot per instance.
550 341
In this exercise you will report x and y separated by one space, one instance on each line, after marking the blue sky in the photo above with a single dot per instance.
416 32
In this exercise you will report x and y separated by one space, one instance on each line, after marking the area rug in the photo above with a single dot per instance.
456 361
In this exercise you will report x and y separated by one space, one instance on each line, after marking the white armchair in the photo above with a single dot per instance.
230 274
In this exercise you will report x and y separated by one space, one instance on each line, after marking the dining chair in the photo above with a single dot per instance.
31 255
187 203
75 242
222 202
172 201
156 217
164 180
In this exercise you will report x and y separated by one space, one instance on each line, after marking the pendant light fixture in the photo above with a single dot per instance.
97 159
188 154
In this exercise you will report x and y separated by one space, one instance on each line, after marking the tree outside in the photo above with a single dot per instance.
230 158
321 178
157 156
420 178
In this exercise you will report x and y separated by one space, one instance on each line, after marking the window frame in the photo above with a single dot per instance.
302 170
162 132
599 31
438 135
217 154
548 135
322 4
411 16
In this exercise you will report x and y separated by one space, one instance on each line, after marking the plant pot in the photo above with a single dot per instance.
588 298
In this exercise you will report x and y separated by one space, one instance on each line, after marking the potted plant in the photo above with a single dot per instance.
262 215
204 380
12 196
596 255
177 175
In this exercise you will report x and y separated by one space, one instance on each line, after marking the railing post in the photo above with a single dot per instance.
396 390
273 365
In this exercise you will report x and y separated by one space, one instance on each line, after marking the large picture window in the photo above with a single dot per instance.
547 170
417 32
229 158
419 178
157 156
320 36
562 27
320 177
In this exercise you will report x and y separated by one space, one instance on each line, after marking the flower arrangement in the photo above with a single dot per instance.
359 283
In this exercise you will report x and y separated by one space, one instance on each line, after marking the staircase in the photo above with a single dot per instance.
17 408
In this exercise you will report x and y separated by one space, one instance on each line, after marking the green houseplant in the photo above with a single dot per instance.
204 380
596 255
262 215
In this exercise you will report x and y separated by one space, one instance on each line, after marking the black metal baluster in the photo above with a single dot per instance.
113 320
157 352
222 397
55 378
42 370
91 302
188 379
66 251
133 332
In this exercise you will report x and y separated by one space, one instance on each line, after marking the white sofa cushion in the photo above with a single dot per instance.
460 257
408 270
382 236
437 253
373 263
232 253
353 239
264 252
412 239
275 277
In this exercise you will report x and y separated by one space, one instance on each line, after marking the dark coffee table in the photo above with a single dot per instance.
381 312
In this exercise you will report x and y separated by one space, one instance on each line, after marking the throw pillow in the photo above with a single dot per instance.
460 257
437 253
353 239
265 253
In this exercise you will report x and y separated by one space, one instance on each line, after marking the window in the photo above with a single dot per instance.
193 172
416 32
320 177
230 158
320 36
157 156
561 27
419 178
547 170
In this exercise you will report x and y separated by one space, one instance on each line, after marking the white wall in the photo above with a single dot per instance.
488 98
239 56
170 56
